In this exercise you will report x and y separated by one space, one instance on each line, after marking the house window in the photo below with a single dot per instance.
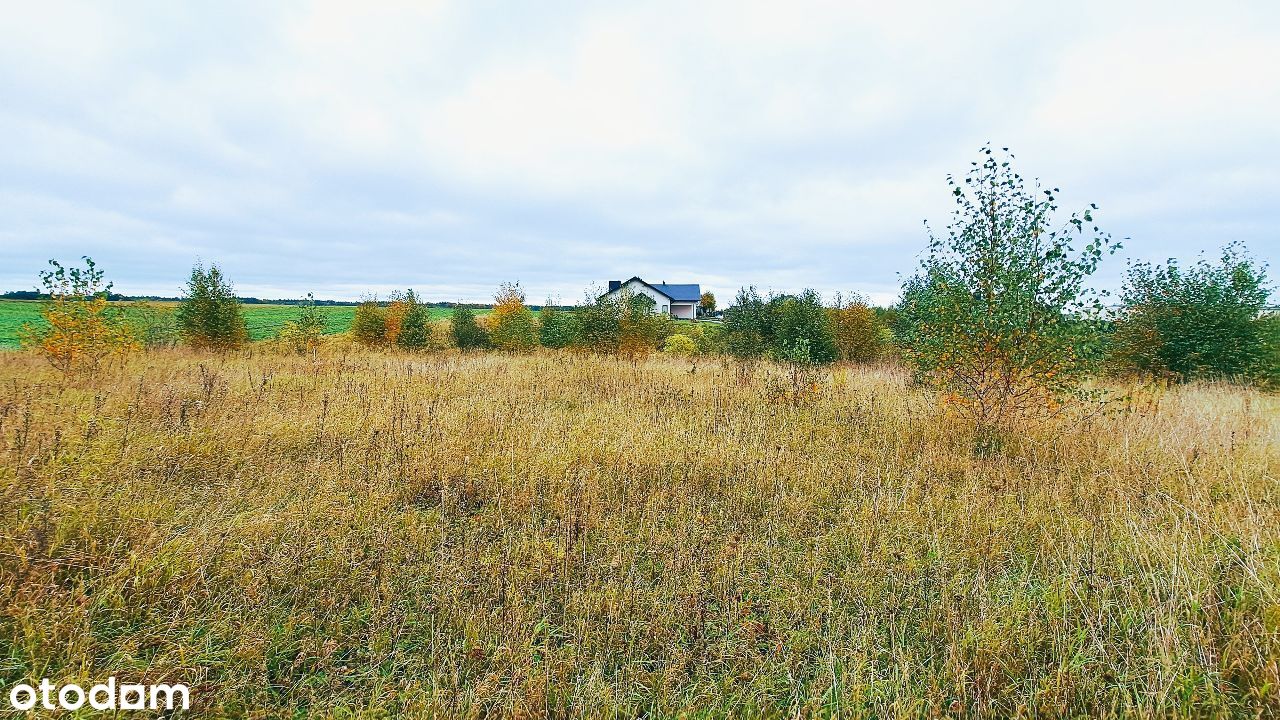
664 308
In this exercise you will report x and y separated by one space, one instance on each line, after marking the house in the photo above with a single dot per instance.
678 301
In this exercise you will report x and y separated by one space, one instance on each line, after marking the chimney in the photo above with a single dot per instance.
614 285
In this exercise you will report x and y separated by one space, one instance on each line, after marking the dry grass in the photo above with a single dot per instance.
453 535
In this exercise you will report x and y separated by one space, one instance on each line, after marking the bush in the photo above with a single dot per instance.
600 322
997 317
414 323
1201 322
857 330
467 333
802 321
394 314
680 345
641 331
754 327
80 327
369 324
557 328
303 334
210 315
747 330
511 324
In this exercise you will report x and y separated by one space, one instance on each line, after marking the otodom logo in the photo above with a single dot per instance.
102 696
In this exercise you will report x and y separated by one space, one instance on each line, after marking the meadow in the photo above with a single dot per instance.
471 535
263 321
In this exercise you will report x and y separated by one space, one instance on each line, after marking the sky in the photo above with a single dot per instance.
351 148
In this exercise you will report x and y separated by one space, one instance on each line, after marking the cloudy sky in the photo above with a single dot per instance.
351 147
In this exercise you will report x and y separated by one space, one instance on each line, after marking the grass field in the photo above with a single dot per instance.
552 535
263 321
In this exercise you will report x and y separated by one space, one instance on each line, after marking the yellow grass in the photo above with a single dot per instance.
447 535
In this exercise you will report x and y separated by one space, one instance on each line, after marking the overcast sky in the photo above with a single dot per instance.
347 147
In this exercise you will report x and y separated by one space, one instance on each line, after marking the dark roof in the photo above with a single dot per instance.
688 292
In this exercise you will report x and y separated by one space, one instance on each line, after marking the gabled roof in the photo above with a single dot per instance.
688 292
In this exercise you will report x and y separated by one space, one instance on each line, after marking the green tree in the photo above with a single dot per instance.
467 333
304 332
641 331
600 321
369 323
210 316
747 329
1198 322
415 324
997 316
801 321
556 328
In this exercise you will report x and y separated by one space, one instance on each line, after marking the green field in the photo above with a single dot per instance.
264 321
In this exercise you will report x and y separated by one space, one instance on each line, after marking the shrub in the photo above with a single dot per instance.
210 316
997 317
641 331
467 333
747 330
303 334
600 322
414 323
1200 322
511 325
680 345
802 321
394 315
556 328
80 327
857 330
369 323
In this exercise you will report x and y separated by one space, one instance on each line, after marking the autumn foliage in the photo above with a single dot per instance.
80 326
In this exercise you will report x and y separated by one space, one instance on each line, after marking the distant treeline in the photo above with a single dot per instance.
117 297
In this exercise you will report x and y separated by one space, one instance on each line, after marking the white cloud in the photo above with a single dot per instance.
450 146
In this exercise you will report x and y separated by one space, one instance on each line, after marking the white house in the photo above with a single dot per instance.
679 301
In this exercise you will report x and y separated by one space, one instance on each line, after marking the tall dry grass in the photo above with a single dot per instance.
451 535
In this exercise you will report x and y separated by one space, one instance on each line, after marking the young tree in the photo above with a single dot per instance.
556 328
1199 322
467 333
641 331
511 325
414 332
394 315
369 324
707 303
747 330
857 330
304 332
997 316
600 321
801 321
210 315
80 327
